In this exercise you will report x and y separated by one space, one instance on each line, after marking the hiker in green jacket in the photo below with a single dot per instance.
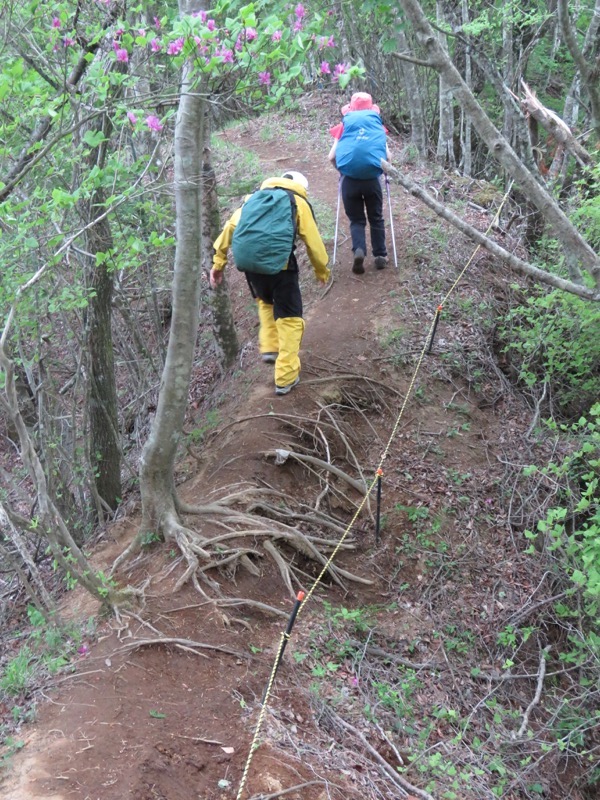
278 295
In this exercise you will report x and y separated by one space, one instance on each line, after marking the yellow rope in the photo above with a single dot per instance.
378 472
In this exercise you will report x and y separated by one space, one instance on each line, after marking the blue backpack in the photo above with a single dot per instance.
263 239
362 145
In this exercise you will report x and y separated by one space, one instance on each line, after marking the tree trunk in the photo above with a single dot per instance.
222 315
445 146
466 122
105 449
590 72
414 95
158 456
578 252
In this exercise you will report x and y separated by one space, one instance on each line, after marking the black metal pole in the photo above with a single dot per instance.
286 636
435 324
378 516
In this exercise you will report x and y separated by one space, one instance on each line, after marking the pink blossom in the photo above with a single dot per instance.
142 32
211 25
299 11
251 34
131 117
264 78
331 42
339 69
202 14
55 22
276 36
238 43
83 650
325 69
122 55
227 55
297 25
68 42
175 47
157 23
154 123
119 32
155 46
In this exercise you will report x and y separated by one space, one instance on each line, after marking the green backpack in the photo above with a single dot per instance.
263 239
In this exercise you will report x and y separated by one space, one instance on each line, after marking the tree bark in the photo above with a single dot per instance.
578 252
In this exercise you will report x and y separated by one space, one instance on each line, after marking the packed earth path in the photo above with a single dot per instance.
145 720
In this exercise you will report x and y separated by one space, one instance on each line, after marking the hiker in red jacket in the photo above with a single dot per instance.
271 273
360 144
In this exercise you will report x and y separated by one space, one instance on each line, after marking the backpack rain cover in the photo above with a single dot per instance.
264 236
362 145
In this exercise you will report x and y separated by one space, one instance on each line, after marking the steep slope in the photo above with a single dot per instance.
143 720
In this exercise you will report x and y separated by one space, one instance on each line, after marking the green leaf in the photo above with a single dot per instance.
156 714
94 138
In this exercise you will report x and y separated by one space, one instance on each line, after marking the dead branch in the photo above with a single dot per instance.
405 787
555 126
281 456
538 693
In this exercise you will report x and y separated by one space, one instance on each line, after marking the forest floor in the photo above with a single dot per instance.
376 675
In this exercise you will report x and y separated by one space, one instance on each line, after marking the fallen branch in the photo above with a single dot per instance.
281 456
538 693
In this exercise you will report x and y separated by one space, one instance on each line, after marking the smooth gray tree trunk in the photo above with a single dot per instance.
159 453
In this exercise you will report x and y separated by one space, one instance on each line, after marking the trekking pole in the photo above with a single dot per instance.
387 184
337 220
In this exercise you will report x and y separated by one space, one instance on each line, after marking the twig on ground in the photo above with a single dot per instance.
537 695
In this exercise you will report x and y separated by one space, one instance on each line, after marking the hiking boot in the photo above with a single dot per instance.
359 257
380 262
288 388
269 358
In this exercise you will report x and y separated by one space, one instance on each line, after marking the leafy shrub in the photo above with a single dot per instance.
553 339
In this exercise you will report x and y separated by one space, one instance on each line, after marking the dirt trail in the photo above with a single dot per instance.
153 723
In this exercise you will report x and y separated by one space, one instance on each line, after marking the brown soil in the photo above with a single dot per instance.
149 722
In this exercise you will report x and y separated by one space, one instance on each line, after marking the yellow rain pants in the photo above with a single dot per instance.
268 338
287 366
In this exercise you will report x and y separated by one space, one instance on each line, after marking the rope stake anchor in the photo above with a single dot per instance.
285 639
379 474
438 313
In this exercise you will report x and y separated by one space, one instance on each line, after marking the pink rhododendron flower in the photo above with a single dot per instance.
251 34
119 32
202 14
155 46
238 43
68 42
297 25
211 25
264 78
299 11
55 22
331 42
131 117
157 23
154 123
276 36
325 68
142 32
339 69
122 55
175 47
227 55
